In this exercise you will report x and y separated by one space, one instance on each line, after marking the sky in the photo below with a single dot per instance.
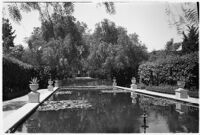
147 19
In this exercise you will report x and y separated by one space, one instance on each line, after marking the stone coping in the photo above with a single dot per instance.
18 115
181 89
115 91
169 96
87 88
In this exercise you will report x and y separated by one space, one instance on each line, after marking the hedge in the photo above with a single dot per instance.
170 70
167 89
16 77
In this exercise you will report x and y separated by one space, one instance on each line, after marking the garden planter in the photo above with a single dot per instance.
34 87
133 81
133 85
34 96
114 82
50 82
50 87
181 84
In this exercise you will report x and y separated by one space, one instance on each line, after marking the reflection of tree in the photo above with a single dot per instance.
186 122
108 114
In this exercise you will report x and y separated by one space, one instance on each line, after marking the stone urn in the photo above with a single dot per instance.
114 82
50 82
34 84
34 96
133 81
181 84
50 87
34 87
57 83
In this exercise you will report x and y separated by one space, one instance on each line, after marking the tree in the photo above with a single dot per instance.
114 53
191 40
44 9
8 35
106 31
169 45
17 51
64 50
187 17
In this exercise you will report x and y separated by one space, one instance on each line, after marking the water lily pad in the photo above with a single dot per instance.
63 92
64 104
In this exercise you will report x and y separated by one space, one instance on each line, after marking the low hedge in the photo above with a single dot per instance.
168 89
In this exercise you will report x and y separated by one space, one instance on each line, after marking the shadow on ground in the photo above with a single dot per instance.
14 105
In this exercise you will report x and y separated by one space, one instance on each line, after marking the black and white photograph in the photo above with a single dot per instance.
86 66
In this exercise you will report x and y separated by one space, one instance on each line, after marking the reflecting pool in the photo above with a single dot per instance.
98 112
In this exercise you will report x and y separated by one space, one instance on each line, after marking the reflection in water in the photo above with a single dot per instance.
144 126
113 114
181 108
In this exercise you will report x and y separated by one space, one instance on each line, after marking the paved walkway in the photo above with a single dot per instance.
10 106
170 96
15 114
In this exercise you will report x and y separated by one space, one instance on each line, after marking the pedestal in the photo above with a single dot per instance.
133 86
34 97
133 95
181 108
50 88
181 93
57 83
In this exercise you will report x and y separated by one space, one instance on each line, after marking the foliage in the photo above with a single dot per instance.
168 89
17 51
16 76
34 80
45 8
62 48
15 9
188 15
8 35
191 40
106 31
114 53
170 70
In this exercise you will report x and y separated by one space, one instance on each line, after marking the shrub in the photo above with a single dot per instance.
170 70
16 77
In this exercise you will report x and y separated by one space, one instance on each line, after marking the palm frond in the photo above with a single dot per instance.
14 12
109 7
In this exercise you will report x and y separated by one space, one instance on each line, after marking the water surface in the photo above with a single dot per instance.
97 112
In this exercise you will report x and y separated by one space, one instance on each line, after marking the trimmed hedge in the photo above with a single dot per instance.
170 70
16 77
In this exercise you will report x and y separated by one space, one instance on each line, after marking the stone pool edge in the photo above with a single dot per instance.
169 96
17 116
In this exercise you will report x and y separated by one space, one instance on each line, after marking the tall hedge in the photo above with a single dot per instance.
170 70
16 77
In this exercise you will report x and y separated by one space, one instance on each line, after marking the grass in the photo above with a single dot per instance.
168 89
